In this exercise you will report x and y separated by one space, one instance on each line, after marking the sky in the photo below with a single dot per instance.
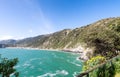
28 18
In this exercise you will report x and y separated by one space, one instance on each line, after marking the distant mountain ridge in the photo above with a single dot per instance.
10 41
102 36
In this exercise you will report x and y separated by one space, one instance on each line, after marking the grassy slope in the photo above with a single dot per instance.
103 35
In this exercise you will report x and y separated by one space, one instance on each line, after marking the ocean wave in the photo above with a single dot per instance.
62 72
26 64
75 74
47 74
77 59
17 66
74 63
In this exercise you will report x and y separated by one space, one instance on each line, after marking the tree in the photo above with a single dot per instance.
7 67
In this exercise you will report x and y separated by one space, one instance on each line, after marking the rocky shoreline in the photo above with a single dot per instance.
81 50
83 55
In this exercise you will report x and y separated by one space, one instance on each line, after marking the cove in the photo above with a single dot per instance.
44 63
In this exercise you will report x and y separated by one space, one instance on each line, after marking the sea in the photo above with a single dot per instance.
44 63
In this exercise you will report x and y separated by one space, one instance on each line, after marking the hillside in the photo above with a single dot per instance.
101 37
10 41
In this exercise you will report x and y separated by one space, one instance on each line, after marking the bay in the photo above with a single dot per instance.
44 63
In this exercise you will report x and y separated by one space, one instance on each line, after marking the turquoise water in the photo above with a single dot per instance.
43 63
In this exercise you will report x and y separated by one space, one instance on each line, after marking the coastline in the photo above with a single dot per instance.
29 48
56 50
62 50
82 54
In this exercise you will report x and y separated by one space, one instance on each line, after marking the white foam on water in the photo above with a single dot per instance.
17 66
62 72
26 64
35 59
77 59
10 75
74 74
75 64
47 74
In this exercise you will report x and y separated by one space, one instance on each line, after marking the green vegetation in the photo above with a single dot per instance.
106 40
117 65
110 69
7 67
103 36
93 62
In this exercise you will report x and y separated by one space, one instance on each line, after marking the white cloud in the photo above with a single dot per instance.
6 37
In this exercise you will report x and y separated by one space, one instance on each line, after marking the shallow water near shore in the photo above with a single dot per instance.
44 63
